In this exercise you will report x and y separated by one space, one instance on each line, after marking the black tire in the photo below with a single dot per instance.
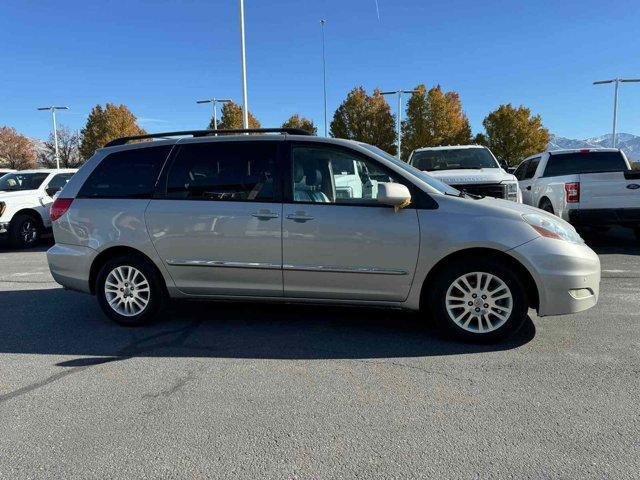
25 231
502 328
155 298
545 205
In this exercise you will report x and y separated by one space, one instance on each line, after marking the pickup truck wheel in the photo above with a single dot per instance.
129 291
546 206
24 231
479 300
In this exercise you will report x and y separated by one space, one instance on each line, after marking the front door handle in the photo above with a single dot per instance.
529 187
265 215
299 217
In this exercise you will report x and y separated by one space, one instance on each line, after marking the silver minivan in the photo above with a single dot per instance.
290 217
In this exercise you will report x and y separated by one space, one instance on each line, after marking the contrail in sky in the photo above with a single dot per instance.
377 10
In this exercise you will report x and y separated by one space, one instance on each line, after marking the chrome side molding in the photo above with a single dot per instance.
220 263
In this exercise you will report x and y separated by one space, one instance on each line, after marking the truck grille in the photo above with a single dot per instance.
495 190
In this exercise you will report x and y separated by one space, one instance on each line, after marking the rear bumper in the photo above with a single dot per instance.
605 216
567 275
70 266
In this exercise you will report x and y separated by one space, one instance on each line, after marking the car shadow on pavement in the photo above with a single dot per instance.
58 322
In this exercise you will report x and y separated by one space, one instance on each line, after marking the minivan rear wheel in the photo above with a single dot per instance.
129 290
479 300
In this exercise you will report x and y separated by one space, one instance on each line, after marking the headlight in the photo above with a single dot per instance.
2 208
551 228
511 190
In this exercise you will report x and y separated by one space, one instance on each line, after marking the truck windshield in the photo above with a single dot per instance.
453 159
13 182
425 177
584 162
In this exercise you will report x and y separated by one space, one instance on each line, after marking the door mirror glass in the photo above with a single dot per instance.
393 194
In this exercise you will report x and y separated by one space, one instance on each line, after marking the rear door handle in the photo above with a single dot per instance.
299 217
265 215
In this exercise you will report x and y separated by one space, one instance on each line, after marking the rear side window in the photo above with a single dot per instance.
126 174
584 162
531 168
224 171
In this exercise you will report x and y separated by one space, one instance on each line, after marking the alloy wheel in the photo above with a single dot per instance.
127 291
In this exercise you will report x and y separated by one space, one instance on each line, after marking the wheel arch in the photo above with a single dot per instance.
112 252
32 213
471 253
543 199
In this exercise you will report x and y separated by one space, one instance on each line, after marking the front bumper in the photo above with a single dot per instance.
605 216
567 275
70 266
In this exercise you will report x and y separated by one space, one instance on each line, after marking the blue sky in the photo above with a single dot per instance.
158 57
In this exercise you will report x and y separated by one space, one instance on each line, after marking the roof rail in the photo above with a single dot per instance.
205 133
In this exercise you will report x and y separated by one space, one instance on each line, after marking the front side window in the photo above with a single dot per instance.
521 170
453 159
126 174
15 182
329 175
531 168
224 171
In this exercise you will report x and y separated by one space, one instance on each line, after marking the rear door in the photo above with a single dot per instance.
340 243
217 223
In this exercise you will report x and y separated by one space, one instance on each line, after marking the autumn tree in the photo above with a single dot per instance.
513 133
16 150
68 149
105 124
434 118
231 118
366 118
303 123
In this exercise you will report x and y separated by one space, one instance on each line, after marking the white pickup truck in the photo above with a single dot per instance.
586 187
25 199
470 168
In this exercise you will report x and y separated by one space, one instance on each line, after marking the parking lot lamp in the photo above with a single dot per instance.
245 106
399 120
214 102
324 78
616 82
55 130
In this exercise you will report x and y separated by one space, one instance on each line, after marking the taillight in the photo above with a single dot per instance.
60 207
572 192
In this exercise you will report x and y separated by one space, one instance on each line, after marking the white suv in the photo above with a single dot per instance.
586 187
472 169
25 199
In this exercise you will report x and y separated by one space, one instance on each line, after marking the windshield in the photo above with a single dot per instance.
453 159
13 182
425 177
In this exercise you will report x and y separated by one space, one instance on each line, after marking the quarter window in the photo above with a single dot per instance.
127 174
224 171
327 175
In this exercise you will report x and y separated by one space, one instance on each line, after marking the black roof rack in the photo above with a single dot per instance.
206 133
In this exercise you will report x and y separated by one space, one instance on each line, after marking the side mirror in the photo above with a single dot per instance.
504 164
393 194
51 191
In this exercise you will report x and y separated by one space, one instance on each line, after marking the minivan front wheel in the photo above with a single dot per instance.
129 291
479 300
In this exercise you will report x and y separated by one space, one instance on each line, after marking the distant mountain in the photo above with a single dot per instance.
628 143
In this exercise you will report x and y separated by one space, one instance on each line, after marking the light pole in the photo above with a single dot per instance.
214 102
324 77
55 130
399 126
616 82
245 106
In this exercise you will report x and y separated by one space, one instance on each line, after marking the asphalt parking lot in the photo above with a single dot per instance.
259 391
